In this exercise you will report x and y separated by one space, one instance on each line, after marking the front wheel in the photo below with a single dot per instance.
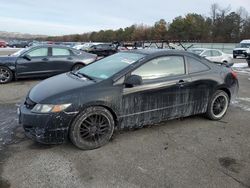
218 105
93 128
5 75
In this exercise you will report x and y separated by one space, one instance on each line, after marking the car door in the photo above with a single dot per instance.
61 60
201 86
160 97
216 56
98 49
33 63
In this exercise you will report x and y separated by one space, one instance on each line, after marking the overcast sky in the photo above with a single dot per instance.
58 17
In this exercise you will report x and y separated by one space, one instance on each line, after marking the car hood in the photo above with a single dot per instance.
7 59
57 87
240 48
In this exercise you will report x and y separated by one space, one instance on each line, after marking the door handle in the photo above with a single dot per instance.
69 58
45 59
181 83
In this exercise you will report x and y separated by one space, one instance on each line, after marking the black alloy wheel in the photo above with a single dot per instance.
93 128
218 105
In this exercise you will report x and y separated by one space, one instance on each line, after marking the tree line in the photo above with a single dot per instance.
223 25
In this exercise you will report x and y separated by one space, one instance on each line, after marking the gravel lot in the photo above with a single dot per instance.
191 152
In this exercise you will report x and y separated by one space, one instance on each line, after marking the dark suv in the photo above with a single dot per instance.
102 49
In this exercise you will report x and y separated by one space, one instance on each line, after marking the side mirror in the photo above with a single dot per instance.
27 57
133 80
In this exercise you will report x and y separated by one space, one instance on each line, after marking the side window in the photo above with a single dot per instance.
216 53
99 46
60 52
40 52
161 67
207 53
195 66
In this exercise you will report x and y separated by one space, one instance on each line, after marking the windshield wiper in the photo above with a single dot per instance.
75 74
84 75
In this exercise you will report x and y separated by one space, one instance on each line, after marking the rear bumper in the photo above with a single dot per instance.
234 89
49 128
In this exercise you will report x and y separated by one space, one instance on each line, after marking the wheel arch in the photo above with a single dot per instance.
101 104
78 63
226 90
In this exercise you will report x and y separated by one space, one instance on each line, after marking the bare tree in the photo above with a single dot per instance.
214 11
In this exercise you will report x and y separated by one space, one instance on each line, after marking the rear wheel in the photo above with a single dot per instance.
218 105
77 67
6 75
92 129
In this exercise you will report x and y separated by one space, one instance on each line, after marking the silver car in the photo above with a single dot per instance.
213 55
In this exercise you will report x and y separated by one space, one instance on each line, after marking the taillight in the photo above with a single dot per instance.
234 74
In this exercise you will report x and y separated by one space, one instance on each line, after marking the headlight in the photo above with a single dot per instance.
46 108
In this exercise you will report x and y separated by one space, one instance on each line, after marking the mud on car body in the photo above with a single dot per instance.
126 90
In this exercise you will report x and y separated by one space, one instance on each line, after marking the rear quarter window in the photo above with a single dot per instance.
195 66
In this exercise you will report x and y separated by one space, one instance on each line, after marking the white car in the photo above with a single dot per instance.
213 55
241 48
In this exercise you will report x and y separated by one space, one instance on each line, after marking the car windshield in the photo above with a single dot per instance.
111 65
19 52
243 45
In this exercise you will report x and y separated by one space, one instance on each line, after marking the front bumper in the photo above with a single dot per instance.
239 53
50 128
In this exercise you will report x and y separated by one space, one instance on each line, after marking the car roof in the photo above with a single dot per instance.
160 52
199 49
245 41
51 45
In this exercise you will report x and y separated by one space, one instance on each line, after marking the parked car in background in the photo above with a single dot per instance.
3 44
126 90
241 48
18 44
79 47
248 56
86 45
213 55
102 49
42 61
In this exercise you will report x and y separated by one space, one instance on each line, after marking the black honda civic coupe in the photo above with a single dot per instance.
123 91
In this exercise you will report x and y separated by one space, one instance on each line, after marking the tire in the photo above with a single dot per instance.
218 105
6 75
77 67
92 129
